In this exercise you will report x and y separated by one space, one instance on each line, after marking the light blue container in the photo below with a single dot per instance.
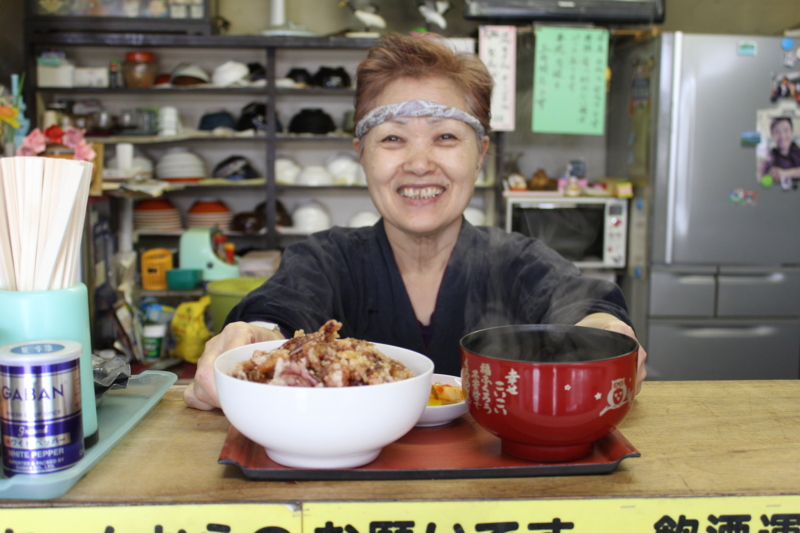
59 314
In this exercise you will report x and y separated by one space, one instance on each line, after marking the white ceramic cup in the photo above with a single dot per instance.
124 153
168 121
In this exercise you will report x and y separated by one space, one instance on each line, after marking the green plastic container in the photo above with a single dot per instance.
184 279
226 293
57 314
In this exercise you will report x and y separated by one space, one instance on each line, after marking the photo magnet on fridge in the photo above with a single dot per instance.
785 85
778 154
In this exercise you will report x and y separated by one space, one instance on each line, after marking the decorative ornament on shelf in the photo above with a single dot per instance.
8 115
8 124
13 124
367 14
433 12
57 142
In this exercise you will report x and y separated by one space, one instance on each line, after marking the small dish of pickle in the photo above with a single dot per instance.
445 403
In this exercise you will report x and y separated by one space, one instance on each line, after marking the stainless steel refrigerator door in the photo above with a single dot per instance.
715 95
720 350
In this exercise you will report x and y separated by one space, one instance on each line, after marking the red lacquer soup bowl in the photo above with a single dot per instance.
549 392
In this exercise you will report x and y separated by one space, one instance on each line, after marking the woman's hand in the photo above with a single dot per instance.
784 173
776 173
202 392
612 323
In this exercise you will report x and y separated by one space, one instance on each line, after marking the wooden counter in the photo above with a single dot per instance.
696 439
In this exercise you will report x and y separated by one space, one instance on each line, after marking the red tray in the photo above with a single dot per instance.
458 450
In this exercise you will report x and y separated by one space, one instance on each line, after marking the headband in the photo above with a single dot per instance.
416 108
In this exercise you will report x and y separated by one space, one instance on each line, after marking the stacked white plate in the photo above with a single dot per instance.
156 215
179 164
207 212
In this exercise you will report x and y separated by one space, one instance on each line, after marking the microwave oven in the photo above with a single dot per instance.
592 232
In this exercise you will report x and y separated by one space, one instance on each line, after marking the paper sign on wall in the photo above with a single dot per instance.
498 51
569 80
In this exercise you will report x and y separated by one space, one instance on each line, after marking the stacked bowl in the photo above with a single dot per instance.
180 165
156 214
311 217
208 212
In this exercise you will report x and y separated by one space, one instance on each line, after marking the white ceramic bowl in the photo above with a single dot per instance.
323 427
180 164
191 70
475 216
344 169
437 415
229 73
286 171
141 166
364 218
311 217
314 176
361 179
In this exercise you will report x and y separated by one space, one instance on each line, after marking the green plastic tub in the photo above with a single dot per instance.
226 293
184 279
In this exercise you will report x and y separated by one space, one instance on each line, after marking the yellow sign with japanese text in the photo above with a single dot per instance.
772 514
211 518
751 514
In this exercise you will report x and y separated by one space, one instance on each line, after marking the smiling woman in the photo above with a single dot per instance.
421 170
422 277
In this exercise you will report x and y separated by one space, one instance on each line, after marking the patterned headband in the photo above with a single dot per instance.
416 108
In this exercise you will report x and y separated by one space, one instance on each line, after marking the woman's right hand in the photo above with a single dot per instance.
202 392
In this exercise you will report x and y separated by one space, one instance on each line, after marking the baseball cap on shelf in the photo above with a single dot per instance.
254 117
219 119
231 73
236 167
188 74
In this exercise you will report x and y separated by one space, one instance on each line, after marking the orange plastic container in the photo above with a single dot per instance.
155 263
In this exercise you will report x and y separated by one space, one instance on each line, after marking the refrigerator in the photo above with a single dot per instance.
713 280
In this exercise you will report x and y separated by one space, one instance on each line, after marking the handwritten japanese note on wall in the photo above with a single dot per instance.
569 80
498 51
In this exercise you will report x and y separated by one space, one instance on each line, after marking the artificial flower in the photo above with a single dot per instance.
72 137
85 152
26 151
33 144
54 134
8 115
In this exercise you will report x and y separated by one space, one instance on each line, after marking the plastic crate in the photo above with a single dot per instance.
155 263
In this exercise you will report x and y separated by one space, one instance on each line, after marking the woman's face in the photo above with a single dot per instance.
782 135
421 171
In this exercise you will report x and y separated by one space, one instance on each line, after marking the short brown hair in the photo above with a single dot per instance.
399 56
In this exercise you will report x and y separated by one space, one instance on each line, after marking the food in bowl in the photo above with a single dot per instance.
548 391
438 415
323 427
444 394
321 359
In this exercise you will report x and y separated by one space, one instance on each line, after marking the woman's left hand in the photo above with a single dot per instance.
612 323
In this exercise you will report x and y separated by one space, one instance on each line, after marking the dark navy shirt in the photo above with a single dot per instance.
493 278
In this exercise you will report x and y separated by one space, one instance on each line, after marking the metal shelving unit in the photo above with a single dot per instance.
270 93
38 40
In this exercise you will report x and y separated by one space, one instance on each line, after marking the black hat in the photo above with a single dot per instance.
236 167
254 117
312 121
334 78
220 119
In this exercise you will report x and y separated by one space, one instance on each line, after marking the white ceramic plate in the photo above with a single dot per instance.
437 415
